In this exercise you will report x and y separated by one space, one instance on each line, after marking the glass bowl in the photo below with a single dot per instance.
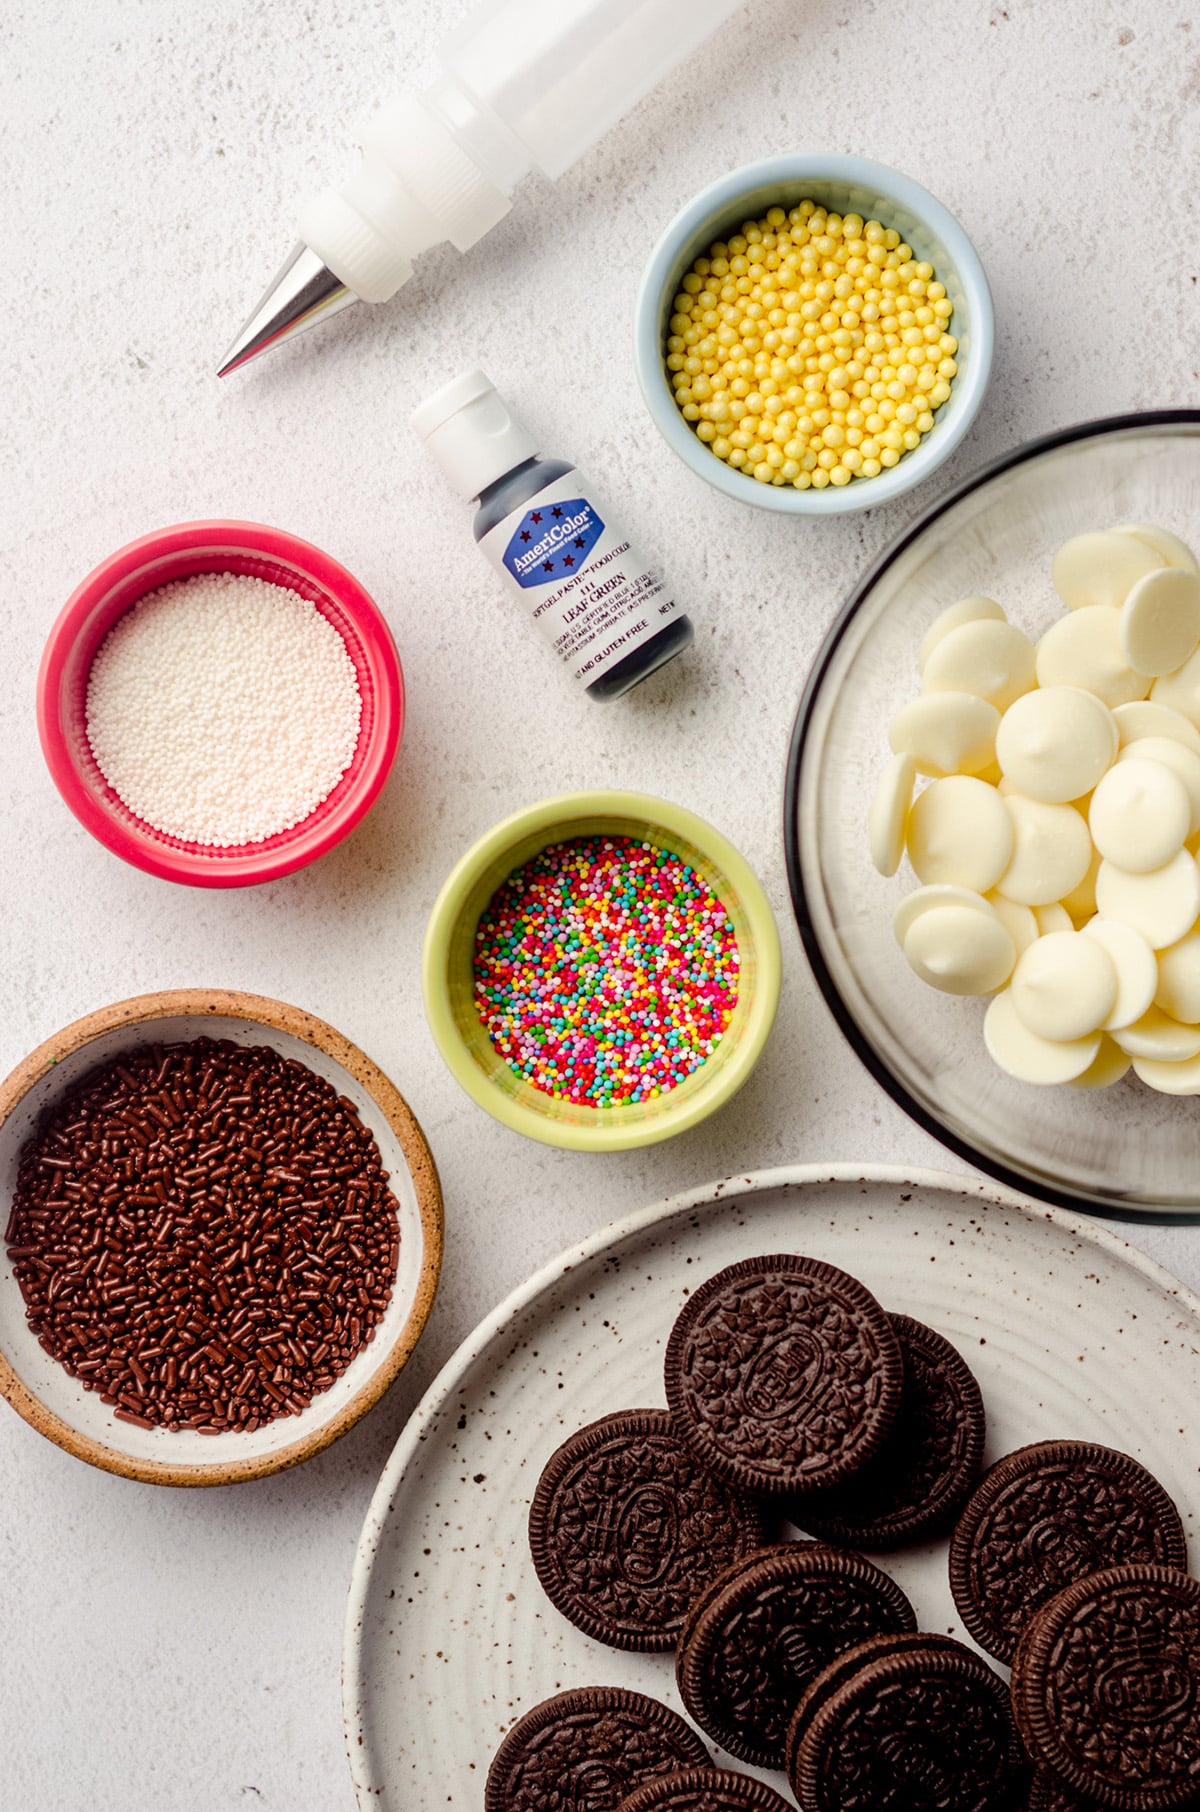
1123 1149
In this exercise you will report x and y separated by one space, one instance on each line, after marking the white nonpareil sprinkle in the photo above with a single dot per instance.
223 709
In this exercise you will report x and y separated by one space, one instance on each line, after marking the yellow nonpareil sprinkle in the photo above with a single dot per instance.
810 348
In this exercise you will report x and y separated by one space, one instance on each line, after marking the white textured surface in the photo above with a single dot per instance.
181 1651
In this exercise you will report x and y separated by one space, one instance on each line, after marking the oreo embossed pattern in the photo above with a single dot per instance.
1047 1515
844 1666
929 1463
605 971
626 1526
1106 1688
588 1748
764 1630
705 1790
784 1374
203 1234
922 1729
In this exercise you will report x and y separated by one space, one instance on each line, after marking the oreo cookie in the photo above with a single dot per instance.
929 1463
1106 1688
590 1747
784 1375
843 1667
764 1630
926 1728
1044 1516
626 1526
1049 1795
705 1790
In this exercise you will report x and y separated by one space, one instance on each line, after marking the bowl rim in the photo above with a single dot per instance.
1048 1188
227 1003
559 814
386 730
970 385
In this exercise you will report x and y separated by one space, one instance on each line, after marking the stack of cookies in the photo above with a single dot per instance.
793 1397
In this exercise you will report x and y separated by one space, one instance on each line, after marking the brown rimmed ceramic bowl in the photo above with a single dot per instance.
56 1404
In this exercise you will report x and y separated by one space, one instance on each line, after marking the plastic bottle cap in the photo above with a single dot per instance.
468 429
418 183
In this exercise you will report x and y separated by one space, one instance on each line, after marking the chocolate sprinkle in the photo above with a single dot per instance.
203 1234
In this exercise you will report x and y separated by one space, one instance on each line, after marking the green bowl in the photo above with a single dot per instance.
449 995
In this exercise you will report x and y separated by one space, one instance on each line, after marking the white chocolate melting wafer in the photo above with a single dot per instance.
960 951
1135 967
1178 979
1181 690
1064 986
924 899
1162 905
1157 1036
946 733
887 814
1100 567
1017 920
993 660
1052 918
967 610
1169 1078
959 831
1021 1053
1085 649
1160 621
1174 551
1144 717
1183 762
1108 1066
1054 744
1051 851
1140 813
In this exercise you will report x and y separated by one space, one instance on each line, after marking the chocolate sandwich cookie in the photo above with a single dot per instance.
843 1667
784 1374
910 1732
588 1748
1106 1688
1048 1795
928 1464
1044 1516
705 1790
626 1526
763 1631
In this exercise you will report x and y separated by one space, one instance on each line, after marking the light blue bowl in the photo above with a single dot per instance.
847 185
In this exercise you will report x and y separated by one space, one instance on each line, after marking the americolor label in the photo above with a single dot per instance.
583 584
552 541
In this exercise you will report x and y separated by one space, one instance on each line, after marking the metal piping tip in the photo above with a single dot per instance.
305 293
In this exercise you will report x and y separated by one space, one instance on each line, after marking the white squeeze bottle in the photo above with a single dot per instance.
524 85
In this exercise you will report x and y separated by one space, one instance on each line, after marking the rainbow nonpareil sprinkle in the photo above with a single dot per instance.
606 971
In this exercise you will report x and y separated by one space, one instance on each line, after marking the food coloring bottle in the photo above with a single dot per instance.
608 616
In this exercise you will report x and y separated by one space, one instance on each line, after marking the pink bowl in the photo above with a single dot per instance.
179 553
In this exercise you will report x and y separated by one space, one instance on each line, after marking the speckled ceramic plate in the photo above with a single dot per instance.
449 1636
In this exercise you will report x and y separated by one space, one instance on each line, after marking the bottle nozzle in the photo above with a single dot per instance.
304 293
415 186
